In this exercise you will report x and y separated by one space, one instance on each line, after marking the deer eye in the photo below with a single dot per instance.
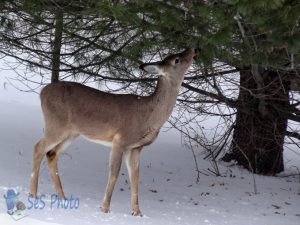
177 60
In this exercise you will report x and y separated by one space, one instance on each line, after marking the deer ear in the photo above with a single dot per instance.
151 68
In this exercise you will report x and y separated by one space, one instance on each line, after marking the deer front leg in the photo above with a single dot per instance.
132 157
114 169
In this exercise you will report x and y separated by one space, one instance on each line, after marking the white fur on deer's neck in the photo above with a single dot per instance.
164 98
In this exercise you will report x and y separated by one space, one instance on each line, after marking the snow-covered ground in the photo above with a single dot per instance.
168 191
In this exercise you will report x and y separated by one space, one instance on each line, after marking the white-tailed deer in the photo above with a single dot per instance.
126 122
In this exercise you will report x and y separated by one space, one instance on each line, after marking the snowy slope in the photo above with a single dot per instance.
168 192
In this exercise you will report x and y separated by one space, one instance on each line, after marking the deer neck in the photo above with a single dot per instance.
164 99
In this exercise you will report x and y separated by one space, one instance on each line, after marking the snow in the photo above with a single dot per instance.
168 192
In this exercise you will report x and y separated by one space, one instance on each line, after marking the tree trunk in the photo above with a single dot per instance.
57 45
261 123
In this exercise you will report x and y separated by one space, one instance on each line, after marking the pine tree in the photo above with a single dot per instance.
259 39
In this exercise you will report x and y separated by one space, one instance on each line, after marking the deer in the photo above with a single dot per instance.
126 122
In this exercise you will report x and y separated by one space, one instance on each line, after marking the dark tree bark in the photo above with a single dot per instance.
261 123
57 46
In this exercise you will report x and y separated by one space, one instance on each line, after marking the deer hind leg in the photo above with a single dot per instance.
51 139
38 155
52 157
115 162
39 152
132 157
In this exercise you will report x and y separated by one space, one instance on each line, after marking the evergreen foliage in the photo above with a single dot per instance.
106 40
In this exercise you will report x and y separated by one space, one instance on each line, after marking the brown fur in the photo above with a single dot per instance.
129 122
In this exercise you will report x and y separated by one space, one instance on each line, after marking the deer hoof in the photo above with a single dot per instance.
35 196
104 209
137 213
